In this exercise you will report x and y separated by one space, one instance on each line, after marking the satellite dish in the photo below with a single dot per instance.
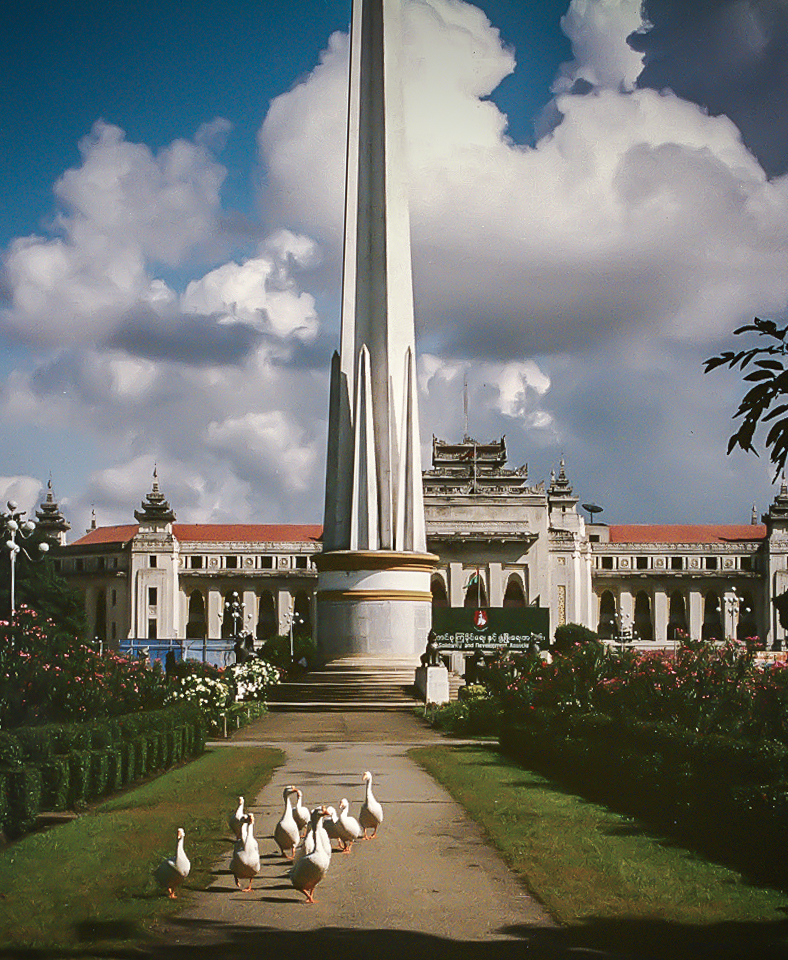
592 509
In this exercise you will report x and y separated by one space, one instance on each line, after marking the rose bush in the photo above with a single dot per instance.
42 681
702 687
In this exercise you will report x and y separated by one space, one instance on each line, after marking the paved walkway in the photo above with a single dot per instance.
428 884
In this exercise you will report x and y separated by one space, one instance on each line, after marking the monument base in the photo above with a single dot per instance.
373 602
433 684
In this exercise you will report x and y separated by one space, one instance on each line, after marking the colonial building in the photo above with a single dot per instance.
162 580
502 542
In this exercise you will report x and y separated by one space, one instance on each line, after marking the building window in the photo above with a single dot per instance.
152 628
196 563
594 538
231 563
114 563
80 564
746 563
711 563
153 560
114 630
301 563
675 563
114 598
102 563
641 563
153 596
607 563
267 563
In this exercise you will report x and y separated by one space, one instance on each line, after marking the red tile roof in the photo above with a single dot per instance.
212 533
686 533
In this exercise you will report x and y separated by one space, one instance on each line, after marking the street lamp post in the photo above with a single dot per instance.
626 632
732 605
15 526
235 608
293 618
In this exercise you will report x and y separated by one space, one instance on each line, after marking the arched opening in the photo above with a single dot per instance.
606 628
514 595
100 625
267 624
643 625
747 628
439 596
233 620
302 616
195 625
712 618
677 617
475 594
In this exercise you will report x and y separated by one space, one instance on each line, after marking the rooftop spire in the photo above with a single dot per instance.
155 507
50 519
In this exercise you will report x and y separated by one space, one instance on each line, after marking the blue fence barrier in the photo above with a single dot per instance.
217 652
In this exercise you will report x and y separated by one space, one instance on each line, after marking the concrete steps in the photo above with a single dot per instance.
351 683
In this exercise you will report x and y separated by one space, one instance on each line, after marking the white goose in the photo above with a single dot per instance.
172 871
371 814
306 873
236 820
348 828
331 825
310 841
301 813
245 864
286 832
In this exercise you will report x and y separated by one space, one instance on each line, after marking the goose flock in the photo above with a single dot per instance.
303 836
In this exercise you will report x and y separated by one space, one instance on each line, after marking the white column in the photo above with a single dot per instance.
660 616
284 608
695 614
456 591
495 598
249 599
214 615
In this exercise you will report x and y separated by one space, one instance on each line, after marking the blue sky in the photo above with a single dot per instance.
598 199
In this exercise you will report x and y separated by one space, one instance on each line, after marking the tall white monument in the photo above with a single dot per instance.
374 573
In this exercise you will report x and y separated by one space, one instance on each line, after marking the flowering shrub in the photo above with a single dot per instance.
254 678
42 682
703 687
211 694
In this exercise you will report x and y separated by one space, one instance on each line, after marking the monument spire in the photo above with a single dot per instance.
374 422
374 583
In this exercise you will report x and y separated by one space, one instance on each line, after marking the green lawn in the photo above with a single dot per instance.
90 880
602 873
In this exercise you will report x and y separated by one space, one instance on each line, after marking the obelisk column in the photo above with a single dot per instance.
374 583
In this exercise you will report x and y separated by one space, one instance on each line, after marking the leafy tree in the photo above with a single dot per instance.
39 587
767 398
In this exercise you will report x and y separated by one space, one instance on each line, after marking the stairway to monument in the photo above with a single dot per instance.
351 683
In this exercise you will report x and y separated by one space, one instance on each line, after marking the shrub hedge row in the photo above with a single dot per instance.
64 766
726 796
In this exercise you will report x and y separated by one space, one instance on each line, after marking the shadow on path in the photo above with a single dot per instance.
637 939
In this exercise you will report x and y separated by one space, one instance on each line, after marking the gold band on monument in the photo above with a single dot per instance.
409 595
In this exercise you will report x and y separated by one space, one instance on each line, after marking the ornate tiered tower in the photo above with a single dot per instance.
374 576
50 519
153 575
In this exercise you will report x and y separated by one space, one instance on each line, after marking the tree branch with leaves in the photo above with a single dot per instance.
766 401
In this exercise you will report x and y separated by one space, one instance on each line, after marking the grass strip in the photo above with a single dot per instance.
90 880
601 871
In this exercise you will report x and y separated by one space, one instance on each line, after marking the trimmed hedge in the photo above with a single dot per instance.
62 766
726 796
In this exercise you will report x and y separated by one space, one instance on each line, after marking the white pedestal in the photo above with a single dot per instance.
433 684
375 603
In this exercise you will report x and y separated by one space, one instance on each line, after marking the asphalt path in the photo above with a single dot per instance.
428 885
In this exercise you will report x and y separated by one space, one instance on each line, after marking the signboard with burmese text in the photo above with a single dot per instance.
489 628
